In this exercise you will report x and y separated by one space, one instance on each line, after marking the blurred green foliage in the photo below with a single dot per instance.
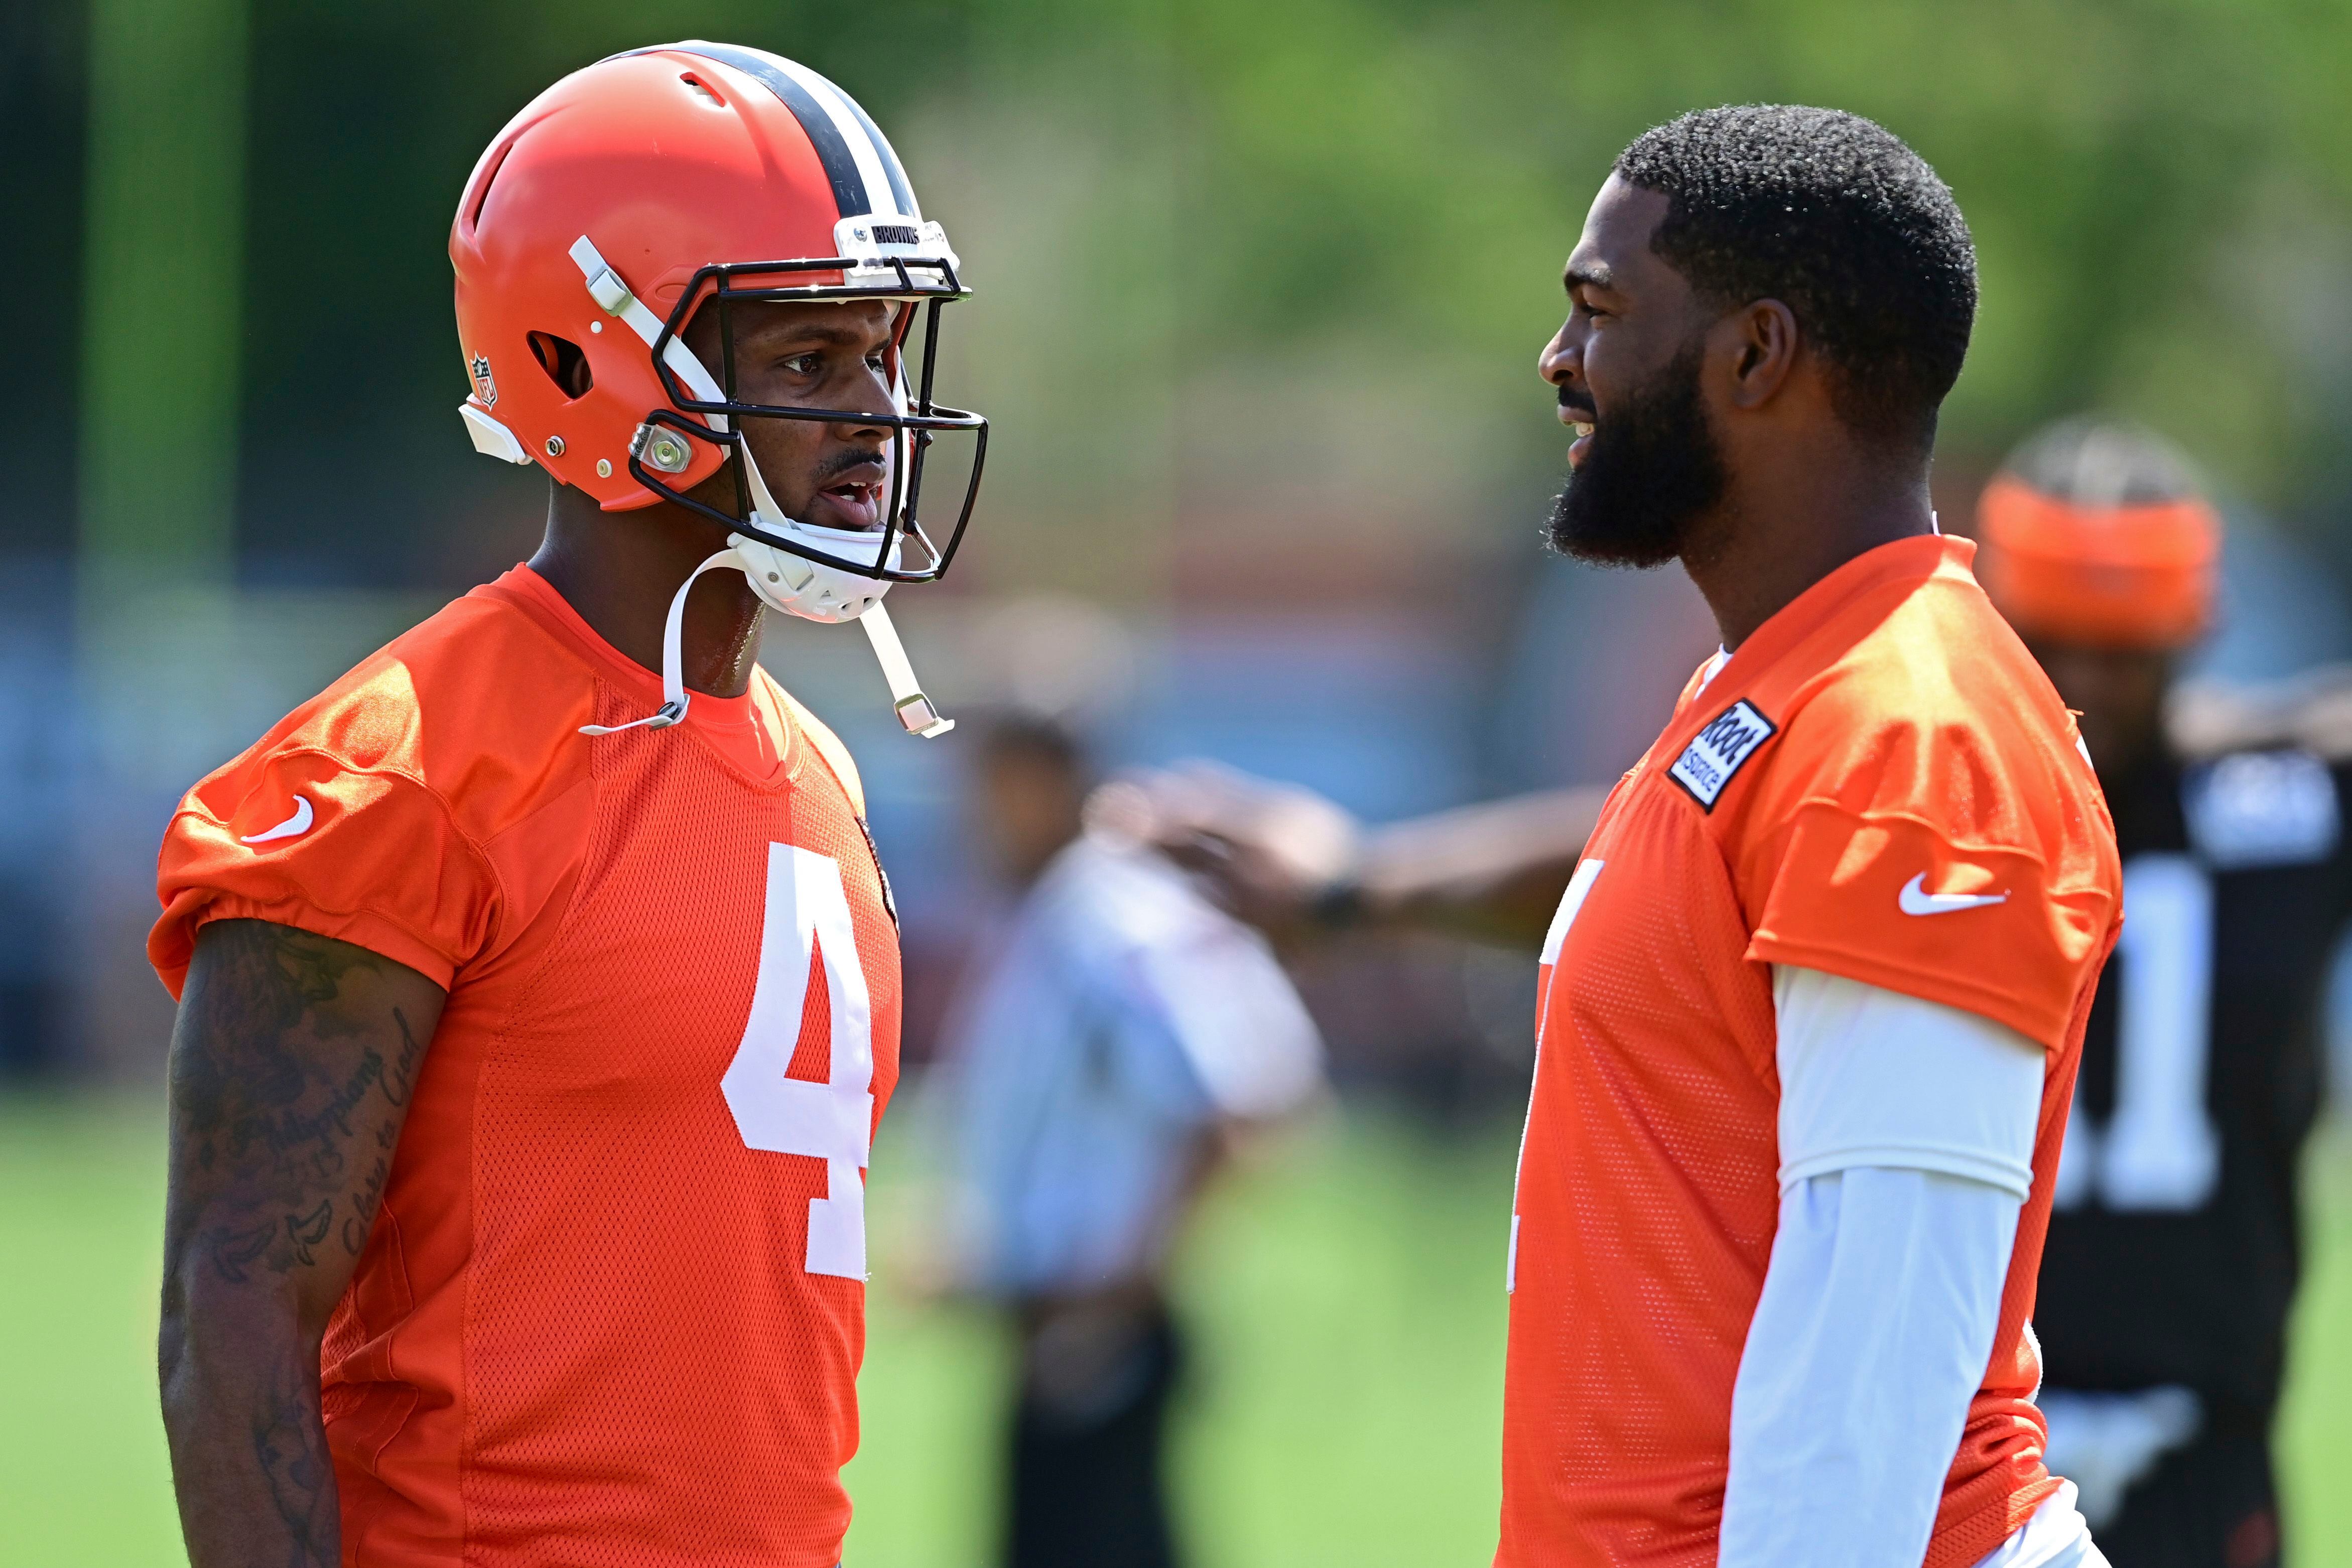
2161 190
1198 223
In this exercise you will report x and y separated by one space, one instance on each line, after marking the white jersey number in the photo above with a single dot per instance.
2160 1150
833 1121
1586 872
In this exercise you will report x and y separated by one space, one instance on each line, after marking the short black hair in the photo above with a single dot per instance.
2096 462
1834 216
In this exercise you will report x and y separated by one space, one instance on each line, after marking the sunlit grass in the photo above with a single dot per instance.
1345 1396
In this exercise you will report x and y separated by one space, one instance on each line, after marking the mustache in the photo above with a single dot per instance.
1579 403
841 463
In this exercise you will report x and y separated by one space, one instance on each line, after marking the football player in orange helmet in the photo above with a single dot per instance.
2172 1258
539 981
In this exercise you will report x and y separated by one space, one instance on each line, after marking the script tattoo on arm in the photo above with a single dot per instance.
292 1066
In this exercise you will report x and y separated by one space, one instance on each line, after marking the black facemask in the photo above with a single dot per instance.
1651 469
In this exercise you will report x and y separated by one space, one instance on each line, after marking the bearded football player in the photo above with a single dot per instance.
539 985
2172 1255
1814 1002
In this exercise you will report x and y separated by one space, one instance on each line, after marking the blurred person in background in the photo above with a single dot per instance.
1116 1035
2173 1254
1810 1013
539 985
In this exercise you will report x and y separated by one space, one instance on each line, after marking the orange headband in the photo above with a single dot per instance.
2136 577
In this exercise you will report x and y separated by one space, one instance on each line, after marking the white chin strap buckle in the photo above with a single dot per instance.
914 709
920 718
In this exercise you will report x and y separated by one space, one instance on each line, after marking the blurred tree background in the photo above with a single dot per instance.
1237 261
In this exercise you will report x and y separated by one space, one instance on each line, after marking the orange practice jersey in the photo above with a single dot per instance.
613 1306
1883 739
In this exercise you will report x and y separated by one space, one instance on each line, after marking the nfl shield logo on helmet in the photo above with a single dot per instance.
488 388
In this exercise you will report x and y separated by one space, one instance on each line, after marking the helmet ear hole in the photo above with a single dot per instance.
564 362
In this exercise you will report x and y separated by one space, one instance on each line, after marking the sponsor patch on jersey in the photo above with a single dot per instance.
2262 808
1716 752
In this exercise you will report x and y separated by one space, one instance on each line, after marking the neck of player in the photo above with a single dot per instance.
620 570
1799 505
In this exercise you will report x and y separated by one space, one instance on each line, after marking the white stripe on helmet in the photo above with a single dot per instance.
871 168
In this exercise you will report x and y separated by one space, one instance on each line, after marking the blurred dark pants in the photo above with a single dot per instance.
1087 1435
2207 1505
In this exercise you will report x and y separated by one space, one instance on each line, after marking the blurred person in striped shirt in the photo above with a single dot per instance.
1114 1038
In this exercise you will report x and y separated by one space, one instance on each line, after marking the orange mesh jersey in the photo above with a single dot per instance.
613 1307
1884 739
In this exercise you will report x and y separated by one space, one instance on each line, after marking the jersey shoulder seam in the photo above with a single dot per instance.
1941 832
473 847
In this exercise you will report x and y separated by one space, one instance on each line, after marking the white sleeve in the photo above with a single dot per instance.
1207 1025
1870 1077
1872 1336
1238 1020
1906 1135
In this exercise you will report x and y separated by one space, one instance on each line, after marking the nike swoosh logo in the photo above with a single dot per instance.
293 827
1916 900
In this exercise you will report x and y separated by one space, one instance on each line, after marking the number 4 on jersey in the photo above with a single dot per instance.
808 916
1588 871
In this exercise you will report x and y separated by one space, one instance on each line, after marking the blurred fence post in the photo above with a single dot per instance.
1058 174
161 345
164 275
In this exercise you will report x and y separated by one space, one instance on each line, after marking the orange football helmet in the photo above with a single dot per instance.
652 184
2095 533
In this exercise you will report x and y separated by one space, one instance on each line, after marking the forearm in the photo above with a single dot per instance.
1869 1343
292 1068
240 1384
1494 871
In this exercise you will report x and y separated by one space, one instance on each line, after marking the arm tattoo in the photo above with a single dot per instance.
293 1065
289 1447
289 1100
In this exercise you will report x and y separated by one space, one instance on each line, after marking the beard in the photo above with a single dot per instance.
1652 472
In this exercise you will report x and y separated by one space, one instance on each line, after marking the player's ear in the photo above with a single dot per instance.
1763 343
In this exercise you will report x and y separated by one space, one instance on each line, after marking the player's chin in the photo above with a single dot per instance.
1588 528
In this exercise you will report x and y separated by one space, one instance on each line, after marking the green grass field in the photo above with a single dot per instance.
1345 1401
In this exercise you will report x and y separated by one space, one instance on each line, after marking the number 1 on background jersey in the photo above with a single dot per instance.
808 916
2160 1150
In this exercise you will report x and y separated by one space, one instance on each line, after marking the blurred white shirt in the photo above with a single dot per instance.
1116 1016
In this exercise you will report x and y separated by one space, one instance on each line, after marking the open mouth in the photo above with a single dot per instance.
1581 417
1582 444
853 501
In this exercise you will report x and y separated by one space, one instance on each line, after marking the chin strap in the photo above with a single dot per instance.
674 696
914 709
